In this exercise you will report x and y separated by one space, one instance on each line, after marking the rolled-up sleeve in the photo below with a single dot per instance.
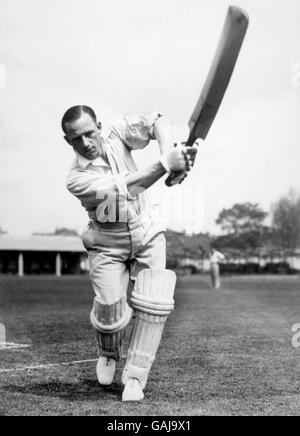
136 131
92 188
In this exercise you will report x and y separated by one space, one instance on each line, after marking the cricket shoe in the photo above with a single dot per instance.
133 391
105 370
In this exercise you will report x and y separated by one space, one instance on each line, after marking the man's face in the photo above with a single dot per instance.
84 136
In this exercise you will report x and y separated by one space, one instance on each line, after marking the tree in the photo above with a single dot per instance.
63 231
243 225
60 231
286 221
241 218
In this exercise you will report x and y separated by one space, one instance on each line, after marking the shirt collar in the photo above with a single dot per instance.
99 161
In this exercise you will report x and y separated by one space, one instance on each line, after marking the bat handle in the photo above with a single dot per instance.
170 180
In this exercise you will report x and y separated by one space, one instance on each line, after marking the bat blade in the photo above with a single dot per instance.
218 78
220 73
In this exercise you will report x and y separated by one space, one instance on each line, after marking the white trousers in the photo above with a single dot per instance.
117 253
215 275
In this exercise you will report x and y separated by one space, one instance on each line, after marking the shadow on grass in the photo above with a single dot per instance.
84 390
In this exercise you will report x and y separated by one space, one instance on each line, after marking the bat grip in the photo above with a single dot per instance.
172 176
169 181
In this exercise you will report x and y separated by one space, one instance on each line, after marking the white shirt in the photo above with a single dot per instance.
102 181
216 257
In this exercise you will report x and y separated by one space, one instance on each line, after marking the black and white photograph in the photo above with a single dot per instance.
149 210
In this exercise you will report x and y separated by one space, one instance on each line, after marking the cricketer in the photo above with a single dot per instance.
124 240
215 257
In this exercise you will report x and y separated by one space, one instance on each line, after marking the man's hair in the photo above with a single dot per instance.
74 113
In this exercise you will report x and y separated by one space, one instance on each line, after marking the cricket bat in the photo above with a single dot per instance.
218 78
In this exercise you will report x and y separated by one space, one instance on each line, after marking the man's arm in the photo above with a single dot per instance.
220 256
162 130
91 187
163 133
174 160
143 179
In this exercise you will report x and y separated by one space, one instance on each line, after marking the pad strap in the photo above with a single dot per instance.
152 306
154 292
110 322
104 318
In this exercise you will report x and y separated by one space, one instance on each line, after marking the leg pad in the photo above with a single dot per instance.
110 322
153 301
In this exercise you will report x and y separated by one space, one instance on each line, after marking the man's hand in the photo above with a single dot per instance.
190 154
178 174
175 159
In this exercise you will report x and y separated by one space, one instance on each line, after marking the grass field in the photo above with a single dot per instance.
225 352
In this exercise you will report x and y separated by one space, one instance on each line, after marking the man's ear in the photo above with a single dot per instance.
67 140
99 125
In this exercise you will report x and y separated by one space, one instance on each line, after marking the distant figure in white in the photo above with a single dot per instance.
2 335
215 257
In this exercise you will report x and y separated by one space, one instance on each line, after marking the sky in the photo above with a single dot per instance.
136 56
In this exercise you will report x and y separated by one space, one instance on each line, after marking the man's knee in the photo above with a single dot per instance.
154 292
110 322
110 318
